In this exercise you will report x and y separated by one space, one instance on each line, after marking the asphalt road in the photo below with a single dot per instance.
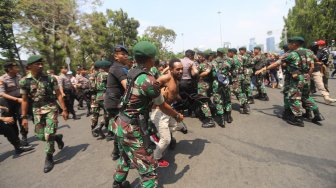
256 150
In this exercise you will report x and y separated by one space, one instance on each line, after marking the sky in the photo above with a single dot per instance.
197 23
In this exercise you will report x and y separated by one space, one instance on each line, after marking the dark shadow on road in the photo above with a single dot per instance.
277 110
322 168
185 147
68 152
64 126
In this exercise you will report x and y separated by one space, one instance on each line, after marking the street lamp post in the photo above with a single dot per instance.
220 28
182 41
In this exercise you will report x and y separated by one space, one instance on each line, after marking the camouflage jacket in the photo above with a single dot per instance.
41 91
100 85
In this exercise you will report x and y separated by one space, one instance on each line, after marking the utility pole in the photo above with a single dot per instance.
285 35
220 28
182 41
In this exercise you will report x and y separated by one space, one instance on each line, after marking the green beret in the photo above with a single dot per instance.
207 52
296 39
144 49
221 50
234 50
102 64
257 47
242 48
34 58
9 64
212 53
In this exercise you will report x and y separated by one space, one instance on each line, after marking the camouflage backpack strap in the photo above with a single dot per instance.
131 77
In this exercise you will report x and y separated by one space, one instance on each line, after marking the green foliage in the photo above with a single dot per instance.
312 19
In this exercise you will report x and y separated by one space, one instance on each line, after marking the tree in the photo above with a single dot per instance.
161 36
312 19
8 46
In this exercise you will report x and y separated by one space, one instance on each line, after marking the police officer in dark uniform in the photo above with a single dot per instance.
10 91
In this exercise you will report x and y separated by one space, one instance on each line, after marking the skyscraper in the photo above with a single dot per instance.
270 44
252 44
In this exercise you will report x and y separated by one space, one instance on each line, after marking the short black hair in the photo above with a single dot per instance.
141 59
173 61
189 53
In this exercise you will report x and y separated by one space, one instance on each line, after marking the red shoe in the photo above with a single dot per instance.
162 163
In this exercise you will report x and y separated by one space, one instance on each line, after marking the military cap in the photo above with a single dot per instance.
9 64
33 59
221 50
296 39
242 48
144 49
257 47
234 50
120 48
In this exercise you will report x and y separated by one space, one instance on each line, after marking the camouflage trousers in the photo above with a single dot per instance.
96 107
260 84
133 152
246 86
238 91
217 99
298 95
285 92
225 94
203 89
46 127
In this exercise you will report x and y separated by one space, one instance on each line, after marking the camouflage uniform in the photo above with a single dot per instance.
98 102
237 78
259 59
128 133
155 72
248 71
298 84
215 87
41 91
224 89
203 87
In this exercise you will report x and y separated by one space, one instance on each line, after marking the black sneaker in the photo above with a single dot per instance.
22 149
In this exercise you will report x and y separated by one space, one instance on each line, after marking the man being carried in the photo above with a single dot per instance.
164 123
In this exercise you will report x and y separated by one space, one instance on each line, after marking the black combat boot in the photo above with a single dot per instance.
264 97
75 117
124 184
208 123
308 115
49 163
246 108
294 120
24 141
20 149
241 109
285 113
93 126
221 122
59 141
109 136
99 130
251 100
317 116
229 118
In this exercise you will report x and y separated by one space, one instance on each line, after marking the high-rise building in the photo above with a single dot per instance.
270 44
252 44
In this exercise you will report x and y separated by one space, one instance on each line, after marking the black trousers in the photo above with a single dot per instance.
187 87
84 95
15 112
69 100
8 131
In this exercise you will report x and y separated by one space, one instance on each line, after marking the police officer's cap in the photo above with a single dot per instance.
9 65
120 48
296 39
220 50
144 49
34 58
242 48
257 47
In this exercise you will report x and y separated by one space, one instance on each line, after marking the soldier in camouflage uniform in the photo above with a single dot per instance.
204 86
43 90
223 77
215 86
248 71
237 72
100 89
259 61
300 63
131 125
